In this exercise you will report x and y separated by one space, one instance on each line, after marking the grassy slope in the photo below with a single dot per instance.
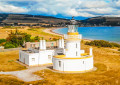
33 31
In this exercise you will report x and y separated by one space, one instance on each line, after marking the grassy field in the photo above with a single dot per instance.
8 61
33 31
107 61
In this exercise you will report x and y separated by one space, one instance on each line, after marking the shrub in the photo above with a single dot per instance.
36 38
116 45
2 40
102 43
9 45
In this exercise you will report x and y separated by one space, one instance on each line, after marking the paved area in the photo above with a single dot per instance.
27 75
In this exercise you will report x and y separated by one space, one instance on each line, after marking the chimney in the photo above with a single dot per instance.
41 45
44 44
91 51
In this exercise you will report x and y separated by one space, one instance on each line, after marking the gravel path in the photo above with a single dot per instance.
27 75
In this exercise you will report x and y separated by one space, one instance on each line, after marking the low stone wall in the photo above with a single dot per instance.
11 49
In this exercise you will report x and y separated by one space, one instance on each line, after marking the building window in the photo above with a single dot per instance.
49 57
76 53
76 45
33 59
59 63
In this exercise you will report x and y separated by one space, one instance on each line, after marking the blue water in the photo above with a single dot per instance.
96 33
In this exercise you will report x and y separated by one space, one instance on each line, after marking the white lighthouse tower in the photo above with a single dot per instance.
70 58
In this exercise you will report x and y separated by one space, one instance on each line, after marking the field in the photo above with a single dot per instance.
107 61
33 31
8 61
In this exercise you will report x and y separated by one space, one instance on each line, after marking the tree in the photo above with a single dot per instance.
17 39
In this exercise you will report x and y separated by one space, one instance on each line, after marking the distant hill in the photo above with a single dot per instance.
107 21
38 20
23 18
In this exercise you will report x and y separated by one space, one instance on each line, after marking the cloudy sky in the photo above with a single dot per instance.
62 8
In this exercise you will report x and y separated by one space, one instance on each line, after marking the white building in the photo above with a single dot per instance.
36 57
68 57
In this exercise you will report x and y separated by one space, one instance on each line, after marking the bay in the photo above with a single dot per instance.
96 33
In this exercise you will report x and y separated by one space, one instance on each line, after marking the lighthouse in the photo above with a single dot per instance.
69 57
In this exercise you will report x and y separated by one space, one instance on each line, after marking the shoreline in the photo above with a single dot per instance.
50 31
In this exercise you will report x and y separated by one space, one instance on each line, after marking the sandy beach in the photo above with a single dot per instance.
50 30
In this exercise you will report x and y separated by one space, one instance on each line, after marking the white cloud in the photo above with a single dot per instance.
85 8
8 8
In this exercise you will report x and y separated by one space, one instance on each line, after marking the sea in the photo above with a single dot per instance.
111 34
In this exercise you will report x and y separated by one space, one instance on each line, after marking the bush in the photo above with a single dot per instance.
36 38
116 45
102 43
2 40
9 45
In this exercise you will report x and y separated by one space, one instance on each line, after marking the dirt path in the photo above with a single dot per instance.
27 75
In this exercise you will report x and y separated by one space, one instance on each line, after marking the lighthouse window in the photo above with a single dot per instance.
76 45
76 53
83 62
59 63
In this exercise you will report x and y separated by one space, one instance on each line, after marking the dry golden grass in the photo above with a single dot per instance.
33 31
8 61
10 80
106 60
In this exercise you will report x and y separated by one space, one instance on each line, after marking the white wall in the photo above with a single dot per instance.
73 64
24 57
39 58
43 59
72 51
35 61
